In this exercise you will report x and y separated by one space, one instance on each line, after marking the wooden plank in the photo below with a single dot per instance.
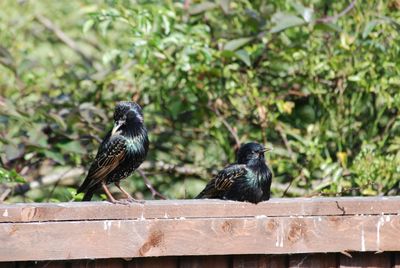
164 262
180 237
381 260
160 209
204 261
109 263
259 261
313 260
396 260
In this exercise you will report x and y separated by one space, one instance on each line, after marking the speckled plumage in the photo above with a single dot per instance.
122 151
247 180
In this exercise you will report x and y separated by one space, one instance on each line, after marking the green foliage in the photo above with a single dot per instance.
322 89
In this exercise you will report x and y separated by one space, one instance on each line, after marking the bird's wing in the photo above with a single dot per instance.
107 159
228 175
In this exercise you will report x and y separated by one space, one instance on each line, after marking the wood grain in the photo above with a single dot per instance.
209 236
380 260
260 261
396 260
204 261
313 260
169 209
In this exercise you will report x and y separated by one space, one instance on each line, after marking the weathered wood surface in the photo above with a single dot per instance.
192 227
330 260
156 209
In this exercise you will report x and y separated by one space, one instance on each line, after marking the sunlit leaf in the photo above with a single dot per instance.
237 43
244 56
283 21
199 8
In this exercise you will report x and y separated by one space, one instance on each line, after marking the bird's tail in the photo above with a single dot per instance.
88 195
88 191
208 192
199 196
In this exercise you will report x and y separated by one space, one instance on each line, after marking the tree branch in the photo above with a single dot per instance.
226 124
63 37
329 19
153 191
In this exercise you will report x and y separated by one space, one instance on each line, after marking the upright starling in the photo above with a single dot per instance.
247 180
121 152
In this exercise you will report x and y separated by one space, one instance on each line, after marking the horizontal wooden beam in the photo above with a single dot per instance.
208 208
198 227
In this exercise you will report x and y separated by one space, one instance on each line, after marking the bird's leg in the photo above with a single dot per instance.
128 196
109 195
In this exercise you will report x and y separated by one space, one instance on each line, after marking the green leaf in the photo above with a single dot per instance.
306 13
227 54
72 147
104 26
283 21
7 59
369 27
166 25
59 120
57 157
237 43
87 26
199 8
243 56
225 5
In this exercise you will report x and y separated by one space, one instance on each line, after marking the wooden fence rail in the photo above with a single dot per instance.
100 230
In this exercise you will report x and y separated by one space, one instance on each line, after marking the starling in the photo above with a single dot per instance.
121 152
247 180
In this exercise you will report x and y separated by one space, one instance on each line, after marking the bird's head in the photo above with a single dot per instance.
251 151
127 113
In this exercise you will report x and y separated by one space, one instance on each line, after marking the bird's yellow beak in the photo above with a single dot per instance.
117 125
266 149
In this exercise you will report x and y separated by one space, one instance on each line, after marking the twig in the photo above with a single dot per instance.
345 190
65 174
287 188
68 176
64 38
55 184
329 19
226 124
153 191
286 142
293 190
185 170
186 4
4 195
291 182
50 179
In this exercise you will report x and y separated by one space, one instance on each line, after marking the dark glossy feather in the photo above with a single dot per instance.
108 158
223 181
228 175
121 152
248 180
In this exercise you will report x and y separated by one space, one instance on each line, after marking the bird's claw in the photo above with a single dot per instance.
128 201
133 200
121 202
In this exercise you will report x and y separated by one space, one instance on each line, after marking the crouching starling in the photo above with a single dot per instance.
247 180
121 152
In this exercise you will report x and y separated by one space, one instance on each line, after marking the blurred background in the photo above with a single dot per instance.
316 79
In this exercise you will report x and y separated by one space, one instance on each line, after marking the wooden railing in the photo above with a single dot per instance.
100 230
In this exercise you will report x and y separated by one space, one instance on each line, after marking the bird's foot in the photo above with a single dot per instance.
121 202
127 202
133 200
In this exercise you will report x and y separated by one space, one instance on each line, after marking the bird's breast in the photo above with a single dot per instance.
135 144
